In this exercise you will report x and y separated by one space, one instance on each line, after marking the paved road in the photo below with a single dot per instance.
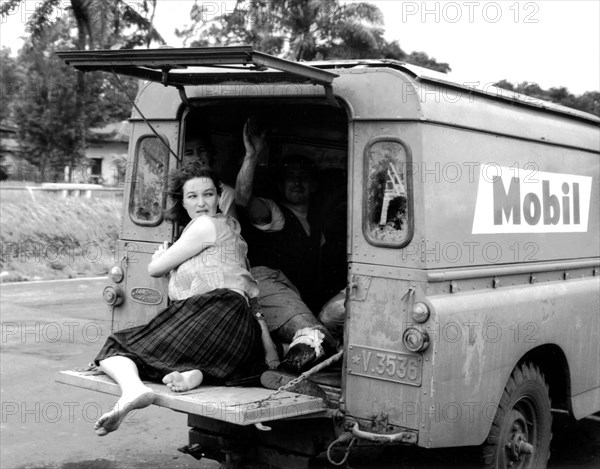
52 326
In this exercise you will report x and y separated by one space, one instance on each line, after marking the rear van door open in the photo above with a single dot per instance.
142 219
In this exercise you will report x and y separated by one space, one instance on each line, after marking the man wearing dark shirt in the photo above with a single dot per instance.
291 234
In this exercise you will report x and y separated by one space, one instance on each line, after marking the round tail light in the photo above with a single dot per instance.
112 296
420 312
415 339
116 274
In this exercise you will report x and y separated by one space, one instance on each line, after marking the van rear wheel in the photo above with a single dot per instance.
522 428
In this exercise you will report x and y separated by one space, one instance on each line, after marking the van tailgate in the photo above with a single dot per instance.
238 405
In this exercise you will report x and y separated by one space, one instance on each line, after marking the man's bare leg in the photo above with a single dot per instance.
134 393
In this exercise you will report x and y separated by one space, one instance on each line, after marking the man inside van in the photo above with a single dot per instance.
287 233
198 148
285 242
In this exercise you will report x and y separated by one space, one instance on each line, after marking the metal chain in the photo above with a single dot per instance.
302 377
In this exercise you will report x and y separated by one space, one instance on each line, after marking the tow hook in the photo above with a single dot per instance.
402 437
356 433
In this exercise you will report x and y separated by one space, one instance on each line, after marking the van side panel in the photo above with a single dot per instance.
483 323
480 336
544 208
388 94
460 108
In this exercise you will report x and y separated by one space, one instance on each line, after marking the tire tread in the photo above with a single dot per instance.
526 371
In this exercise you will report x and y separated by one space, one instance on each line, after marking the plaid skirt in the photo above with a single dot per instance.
214 332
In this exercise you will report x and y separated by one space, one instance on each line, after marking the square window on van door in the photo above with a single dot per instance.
148 191
388 204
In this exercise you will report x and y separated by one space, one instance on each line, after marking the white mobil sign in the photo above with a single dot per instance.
515 200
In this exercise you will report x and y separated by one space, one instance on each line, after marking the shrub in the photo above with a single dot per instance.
58 237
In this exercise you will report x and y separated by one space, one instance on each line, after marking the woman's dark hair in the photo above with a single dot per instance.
177 179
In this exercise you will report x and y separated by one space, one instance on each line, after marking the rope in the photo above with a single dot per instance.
343 438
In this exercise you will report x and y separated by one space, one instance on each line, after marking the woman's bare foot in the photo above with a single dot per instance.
184 381
110 421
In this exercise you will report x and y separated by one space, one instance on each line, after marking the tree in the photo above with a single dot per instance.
295 29
423 60
587 102
301 30
8 78
49 113
53 119
100 23
46 103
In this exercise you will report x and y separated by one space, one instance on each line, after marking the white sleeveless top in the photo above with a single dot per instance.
221 264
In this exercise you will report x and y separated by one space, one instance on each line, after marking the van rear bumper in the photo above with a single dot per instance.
237 405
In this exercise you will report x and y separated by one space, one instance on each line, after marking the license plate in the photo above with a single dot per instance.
386 365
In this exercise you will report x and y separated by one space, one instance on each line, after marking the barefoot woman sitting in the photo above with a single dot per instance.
208 330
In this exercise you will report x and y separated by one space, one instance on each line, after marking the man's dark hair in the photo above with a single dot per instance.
296 162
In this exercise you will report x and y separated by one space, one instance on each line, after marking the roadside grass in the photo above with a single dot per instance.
53 237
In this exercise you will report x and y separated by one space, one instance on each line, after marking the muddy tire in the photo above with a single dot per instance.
522 428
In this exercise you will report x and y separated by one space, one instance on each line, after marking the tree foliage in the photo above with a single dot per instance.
47 110
53 104
587 102
302 30
8 78
100 24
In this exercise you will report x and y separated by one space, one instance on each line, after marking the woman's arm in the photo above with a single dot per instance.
198 236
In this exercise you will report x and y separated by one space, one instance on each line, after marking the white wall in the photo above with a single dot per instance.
108 152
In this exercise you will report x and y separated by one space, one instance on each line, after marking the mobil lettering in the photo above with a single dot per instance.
510 203
511 200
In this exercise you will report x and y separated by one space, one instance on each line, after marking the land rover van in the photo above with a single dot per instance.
469 223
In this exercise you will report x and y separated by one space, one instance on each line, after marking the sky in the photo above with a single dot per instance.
549 42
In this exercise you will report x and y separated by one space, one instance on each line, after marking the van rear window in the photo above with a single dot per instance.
388 204
148 191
